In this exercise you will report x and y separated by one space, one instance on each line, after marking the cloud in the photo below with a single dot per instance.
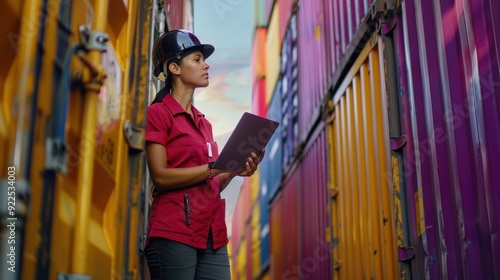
230 83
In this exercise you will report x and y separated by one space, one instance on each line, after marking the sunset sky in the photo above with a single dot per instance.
227 25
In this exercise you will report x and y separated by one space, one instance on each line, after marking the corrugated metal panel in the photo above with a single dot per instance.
334 203
256 242
248 251
331 58
315 252
244 200
272 53
277 245
259 106
452 81
237 223
288 87
344 16
273 159
254 189
312 79
179 14
264 225
259 55
241 214
270 177
289 223
242 261
285 10
364 216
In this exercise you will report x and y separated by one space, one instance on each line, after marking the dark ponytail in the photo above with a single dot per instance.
164 91
167 89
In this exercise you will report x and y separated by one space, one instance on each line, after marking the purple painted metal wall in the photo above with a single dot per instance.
315 256
288 87
329 33
342 19
449 68
312 62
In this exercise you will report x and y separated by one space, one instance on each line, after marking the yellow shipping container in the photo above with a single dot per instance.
241 261
273 50
362 213
255 235
73 98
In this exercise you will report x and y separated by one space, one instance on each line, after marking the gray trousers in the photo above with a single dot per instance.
168 259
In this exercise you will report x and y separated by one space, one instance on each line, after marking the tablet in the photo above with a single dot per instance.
251 134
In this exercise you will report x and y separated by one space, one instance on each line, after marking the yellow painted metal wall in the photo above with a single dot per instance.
242 260
255 236
254 189
89 221
362 212
273 50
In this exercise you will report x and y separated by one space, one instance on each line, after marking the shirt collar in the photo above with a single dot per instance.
176 108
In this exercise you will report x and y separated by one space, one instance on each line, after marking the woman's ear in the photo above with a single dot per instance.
174 68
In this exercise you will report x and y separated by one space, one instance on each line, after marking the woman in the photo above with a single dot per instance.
187 234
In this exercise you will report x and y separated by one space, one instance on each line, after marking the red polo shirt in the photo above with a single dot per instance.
189 142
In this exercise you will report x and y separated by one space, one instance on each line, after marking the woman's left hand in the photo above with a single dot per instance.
252 163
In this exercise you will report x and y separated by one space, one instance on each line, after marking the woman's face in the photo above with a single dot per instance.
194 70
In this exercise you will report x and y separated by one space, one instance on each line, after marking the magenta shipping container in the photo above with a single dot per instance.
342 19
284 231
312 79
315 256
450 71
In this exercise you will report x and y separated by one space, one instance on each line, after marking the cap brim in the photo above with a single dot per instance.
206 49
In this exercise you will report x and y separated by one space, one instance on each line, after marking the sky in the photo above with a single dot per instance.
227 25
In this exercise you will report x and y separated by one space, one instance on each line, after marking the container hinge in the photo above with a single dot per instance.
93 39
56 155
71 276
383 14
134 136
406 253
142 242
398 142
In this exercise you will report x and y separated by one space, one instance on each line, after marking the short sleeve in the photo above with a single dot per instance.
158 122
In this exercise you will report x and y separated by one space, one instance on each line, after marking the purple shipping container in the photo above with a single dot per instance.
315 253
450 73
330 55
342 19
312 79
